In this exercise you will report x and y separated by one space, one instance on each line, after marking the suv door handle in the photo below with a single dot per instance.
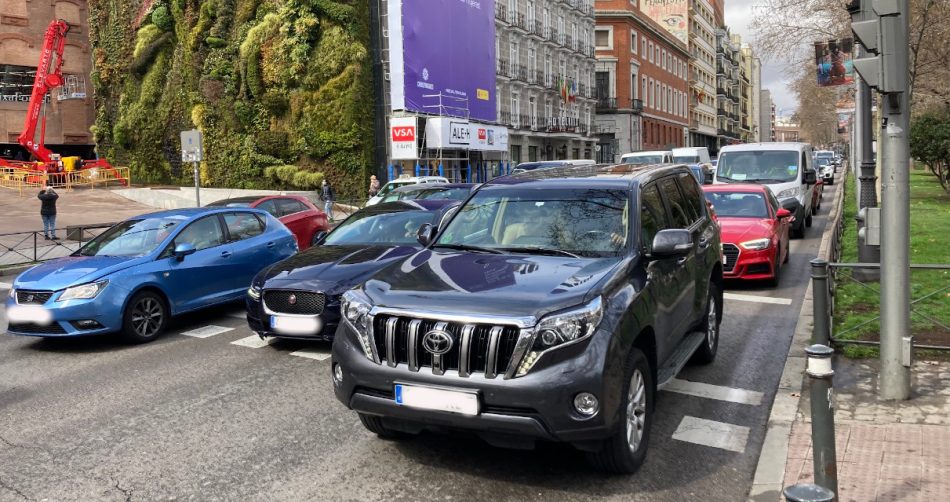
225 254
271 244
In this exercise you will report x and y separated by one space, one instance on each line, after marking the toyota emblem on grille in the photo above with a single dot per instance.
437 342
292 300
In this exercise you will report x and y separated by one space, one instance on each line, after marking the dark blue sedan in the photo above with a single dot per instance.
299 298
136 275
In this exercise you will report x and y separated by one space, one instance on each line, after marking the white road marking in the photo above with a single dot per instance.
6 285
253 342
318 354
207 331
711 433
757 299
717 392
238 314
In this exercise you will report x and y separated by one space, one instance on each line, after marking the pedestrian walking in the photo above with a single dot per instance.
48 198
326 193
373 186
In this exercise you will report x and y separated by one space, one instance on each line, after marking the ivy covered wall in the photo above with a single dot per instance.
282 90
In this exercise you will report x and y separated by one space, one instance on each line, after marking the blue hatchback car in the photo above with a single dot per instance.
136 275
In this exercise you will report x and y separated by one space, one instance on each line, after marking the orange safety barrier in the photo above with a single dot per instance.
22 179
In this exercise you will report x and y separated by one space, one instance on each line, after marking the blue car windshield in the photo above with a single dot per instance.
131 237
375 228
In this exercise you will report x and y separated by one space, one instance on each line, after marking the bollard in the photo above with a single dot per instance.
808 493
822 416
819 289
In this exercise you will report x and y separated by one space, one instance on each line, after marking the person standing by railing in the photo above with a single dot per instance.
48 198
326 193
373 186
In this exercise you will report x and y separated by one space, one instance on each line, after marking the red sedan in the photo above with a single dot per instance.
754 230
296 212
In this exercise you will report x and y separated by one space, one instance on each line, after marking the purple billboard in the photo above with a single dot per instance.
442 57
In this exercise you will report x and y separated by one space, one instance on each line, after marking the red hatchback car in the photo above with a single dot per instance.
754 230
296 212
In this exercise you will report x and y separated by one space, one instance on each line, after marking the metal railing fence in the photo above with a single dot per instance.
22 248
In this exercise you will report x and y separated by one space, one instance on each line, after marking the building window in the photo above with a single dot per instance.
531 61
515 109
530 7
643 90
16 82
633 41
650 54
656 54
663 60
643 42
633 85
603 38
652 90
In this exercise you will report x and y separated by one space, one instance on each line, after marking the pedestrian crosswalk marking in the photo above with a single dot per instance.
318 354
253 341
711 433
207 331
717 392
757 299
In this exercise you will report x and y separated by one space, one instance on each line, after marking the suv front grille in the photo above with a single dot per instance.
32 297
294 302
474 348
731 252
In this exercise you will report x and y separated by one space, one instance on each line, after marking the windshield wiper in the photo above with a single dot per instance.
466 247
540 250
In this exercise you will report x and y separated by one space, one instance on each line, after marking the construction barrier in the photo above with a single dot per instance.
23 180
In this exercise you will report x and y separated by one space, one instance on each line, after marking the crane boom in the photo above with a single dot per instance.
49 75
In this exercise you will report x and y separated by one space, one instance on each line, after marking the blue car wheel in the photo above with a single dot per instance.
145 317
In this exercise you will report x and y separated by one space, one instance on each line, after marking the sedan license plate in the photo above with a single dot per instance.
429 398
292 325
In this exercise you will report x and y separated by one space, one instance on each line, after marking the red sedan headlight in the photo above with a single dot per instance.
756 245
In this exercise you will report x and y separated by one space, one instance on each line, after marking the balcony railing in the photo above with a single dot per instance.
537 28
501 12
517 20
636 105
503 68
606 104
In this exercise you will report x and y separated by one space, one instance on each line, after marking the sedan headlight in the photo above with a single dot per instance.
789 193
756 245
83 291
355 309
254 293
562 329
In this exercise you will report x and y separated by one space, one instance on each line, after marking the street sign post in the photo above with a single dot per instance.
193 151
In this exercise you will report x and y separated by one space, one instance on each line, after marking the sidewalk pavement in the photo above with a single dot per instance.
887 451
79 206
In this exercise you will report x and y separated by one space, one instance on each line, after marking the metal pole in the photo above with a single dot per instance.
821 373
895 225
197 187
819 289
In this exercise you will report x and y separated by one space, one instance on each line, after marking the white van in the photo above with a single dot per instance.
647 158
401 182
692 155
786 168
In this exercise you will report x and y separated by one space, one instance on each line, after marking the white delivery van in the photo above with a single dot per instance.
786 168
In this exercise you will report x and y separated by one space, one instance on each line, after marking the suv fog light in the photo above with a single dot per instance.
586 404
338 373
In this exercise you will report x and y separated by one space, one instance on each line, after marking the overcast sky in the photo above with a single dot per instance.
739 20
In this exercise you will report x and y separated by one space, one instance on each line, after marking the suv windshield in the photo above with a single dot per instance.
768 166
131 237
586 222
389 228
642 160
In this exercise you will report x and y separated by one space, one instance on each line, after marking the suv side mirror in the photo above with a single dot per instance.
426 234
672 242
319 236
782 213
811 177
182 250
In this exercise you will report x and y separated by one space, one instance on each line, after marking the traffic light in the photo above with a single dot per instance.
877 25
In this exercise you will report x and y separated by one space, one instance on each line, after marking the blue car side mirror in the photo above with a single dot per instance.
184 249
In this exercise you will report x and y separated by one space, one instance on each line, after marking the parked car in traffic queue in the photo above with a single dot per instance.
136 275
296 212
431 191
299 298
754 228
401 182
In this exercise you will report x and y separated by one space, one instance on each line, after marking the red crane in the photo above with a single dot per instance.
49 76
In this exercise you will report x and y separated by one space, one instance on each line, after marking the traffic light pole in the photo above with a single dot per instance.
895 219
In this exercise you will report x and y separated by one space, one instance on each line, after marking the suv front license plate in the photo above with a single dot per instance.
289 325
429 398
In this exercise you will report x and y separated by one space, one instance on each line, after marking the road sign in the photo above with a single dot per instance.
191 148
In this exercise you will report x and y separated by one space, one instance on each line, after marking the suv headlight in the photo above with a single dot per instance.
756 245
789 193
562 329
83 291
355 309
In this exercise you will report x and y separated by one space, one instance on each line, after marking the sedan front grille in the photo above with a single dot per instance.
731 252
24 297
474 348
294 302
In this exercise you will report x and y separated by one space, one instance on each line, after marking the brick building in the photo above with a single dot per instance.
640 82
23 25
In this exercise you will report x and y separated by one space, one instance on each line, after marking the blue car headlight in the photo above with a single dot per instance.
83 291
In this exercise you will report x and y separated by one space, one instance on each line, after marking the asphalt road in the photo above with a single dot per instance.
189 418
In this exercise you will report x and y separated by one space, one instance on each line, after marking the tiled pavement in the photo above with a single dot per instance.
886 451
